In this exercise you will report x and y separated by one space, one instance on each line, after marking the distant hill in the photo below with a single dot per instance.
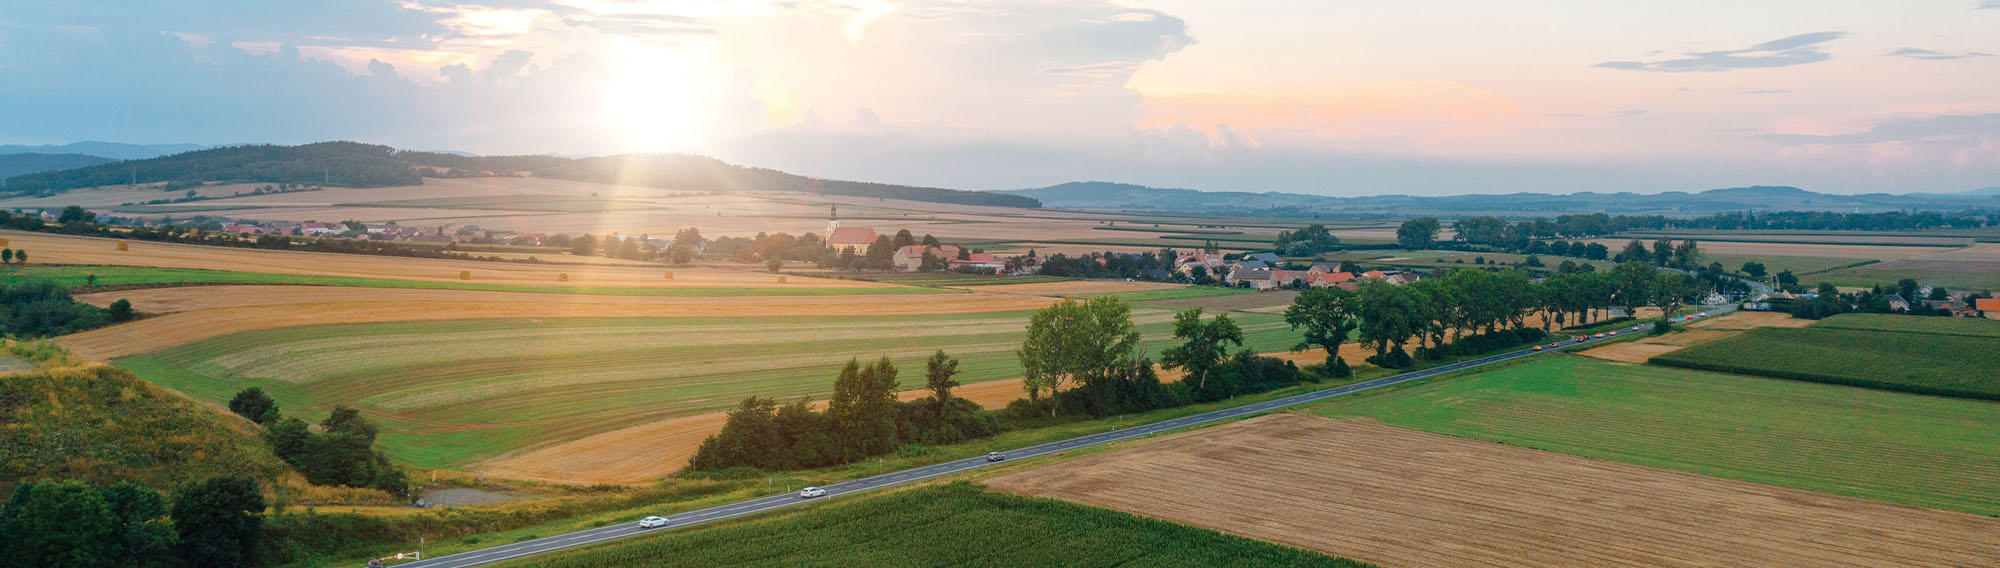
701 173
348 164
113 150
1127 197
27 163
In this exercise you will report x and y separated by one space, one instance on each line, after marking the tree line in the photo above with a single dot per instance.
40 308
701 173
349 164
341 453
216 522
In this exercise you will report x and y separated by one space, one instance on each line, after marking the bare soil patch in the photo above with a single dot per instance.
1407 498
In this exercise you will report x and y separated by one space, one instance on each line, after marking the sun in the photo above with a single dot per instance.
654 100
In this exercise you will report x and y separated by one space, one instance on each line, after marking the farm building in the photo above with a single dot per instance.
1254 278
1988 307
910 258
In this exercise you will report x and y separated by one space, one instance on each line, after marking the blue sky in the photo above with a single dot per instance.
1331 97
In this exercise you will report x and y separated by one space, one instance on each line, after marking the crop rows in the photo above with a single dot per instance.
1928 363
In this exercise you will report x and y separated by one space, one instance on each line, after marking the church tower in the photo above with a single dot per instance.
832 220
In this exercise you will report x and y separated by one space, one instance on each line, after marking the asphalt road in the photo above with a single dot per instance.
762 504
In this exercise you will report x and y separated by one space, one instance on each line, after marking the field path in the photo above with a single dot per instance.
1402 497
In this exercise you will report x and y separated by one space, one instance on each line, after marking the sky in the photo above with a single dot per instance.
1332 97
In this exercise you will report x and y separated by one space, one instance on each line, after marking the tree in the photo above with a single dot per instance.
584 245
1390 316
1786 280
74 215
120 311
1205 343
690 236
288 438
1311 240
940 376
774 264
930 241
882 254
903 239
59 523
1907 287
862 409
1663 253
750 437
146 538
1074 342
1327 314
1634 251
680 253
1481 230
1419 233
253 404
1686 255
7 256
21 256
1634 284
1754 269
220 521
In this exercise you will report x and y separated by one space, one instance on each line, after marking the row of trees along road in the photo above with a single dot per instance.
1493 307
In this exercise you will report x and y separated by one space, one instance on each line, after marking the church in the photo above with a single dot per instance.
839 237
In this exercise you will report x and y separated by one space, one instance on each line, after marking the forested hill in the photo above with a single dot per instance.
17 164
700 173
353 164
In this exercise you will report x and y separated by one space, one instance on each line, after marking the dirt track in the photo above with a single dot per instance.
1407 498
202 312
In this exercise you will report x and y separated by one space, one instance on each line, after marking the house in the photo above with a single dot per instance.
978 260
1956 307
1318 268
318 229
242 229
1897 303
1211 262
1253 264
1254 278
1289 277
1988 307
1264 257
1325 279
910 258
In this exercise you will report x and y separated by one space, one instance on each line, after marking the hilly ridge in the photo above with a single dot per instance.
1128 197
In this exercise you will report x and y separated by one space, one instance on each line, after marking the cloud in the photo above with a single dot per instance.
1782 52
1916 53
1957 129
1767 92
375 23
1989 5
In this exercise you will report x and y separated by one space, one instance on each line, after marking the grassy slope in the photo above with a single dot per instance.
1919 450
450 393
1909 358
72 420
1870 276
947 525
125 275
1774 264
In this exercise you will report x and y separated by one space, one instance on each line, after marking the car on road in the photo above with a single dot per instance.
811 492
1612 332
652 522
1599 334
1538 348
1635 328
994 456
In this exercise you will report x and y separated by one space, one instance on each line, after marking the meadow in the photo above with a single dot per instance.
1905 353
956 524
144 276
451 393
1898 447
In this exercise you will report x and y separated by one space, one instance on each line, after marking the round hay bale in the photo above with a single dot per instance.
781 280
464 275
562 277
670 275
122 245
3 242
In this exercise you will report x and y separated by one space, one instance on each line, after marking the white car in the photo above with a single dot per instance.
811 492
652 522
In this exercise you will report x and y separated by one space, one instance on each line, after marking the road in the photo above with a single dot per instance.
762 504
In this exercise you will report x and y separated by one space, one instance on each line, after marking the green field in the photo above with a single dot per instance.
1871 275
1774 264
948 525
79 275
455 392
1173 294
1863 352
1920 450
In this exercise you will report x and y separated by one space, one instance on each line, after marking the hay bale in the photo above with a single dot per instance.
670 275
781 280
464 275
122 245
3 242
562 277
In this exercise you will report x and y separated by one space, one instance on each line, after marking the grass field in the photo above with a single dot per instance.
948 525
1904 448
142 275
1774 264
1891 352
1871 275
450 393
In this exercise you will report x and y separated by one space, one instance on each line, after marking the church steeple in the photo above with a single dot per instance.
832 219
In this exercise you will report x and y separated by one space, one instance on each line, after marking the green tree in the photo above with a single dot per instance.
253 404
1328 316
930 241
1754 269
750 437
1419 233
1686 255
1074 342
1204 343
681 253
882 254
940 376
1663 253
59 523
1635 251
74 215
863 408
584 245
1786 280
1390 315
220 521
774 264
7 255
21 256
1907 287
288 438
146 535
903 239
1634 283
120 311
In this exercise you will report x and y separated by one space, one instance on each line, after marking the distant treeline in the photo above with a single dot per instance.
348 164
73 223
699 173
1497 231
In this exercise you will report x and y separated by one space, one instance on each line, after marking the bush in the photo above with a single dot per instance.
1663 326
1396 358
121 311
42 309
253 404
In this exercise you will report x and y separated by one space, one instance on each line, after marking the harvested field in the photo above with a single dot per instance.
1408 498
65 249
1755 249
1912 449
1741 320
1261 301
1641 350
452 393
203 312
